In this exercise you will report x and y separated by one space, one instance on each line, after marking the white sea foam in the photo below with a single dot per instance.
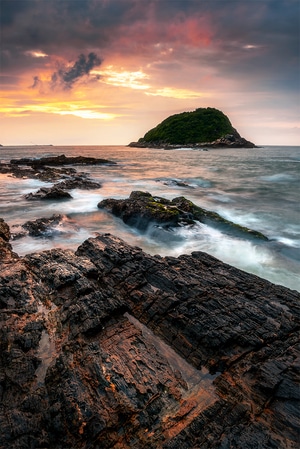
288 242
82 201
70 240
278 177
260 260
221 198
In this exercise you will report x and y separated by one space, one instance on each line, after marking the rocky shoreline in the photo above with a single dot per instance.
109 347
228 141
64 178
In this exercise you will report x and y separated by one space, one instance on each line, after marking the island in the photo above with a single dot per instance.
203 128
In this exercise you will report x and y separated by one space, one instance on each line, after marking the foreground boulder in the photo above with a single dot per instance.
110 347
141 210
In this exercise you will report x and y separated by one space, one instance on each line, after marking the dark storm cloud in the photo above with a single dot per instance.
66 76
258 37
81 67
9 9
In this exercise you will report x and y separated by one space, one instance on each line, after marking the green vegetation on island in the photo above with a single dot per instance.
203 126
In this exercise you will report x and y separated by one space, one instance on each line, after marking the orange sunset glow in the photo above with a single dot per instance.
104 72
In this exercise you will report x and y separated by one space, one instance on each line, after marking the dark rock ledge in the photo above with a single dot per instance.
61 160
228 141
109 347
141 210
57 224
45 169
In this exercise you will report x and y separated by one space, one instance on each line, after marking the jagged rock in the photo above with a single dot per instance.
69 178
142 210
44 227
61 160
175 182
49 193
43 173
110 347
79 182
44 170
6 252
59 190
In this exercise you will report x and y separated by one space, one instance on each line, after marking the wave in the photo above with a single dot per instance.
279 177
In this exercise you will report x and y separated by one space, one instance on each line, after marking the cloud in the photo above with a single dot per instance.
36 82
82 67
66 76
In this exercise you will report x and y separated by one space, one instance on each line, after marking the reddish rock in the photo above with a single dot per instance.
110 347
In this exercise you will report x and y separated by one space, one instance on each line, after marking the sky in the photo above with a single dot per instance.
104 72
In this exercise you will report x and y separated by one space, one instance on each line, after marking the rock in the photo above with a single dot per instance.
45 227
43 173
176 182
61 160
59 190
79 182
4 230
6 252
109 347
49 193
142 210
68 177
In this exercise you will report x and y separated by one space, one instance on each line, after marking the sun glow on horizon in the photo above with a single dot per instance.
77 110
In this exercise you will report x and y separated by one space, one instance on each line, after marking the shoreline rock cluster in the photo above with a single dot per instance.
227 141
109 347
45 169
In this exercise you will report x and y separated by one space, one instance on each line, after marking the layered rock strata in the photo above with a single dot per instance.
109 347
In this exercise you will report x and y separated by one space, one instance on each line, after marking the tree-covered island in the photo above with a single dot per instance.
204 127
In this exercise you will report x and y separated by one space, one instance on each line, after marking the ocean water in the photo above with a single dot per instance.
258 188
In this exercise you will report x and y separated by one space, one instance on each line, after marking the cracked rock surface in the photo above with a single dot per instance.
109 347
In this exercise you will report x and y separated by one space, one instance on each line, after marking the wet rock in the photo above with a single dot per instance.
6 252
176 182
4 230
61 160
49 193
43 173
44 227
109 347
79 182
60 190
142 210
68 177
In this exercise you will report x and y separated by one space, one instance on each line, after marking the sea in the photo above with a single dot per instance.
258 188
